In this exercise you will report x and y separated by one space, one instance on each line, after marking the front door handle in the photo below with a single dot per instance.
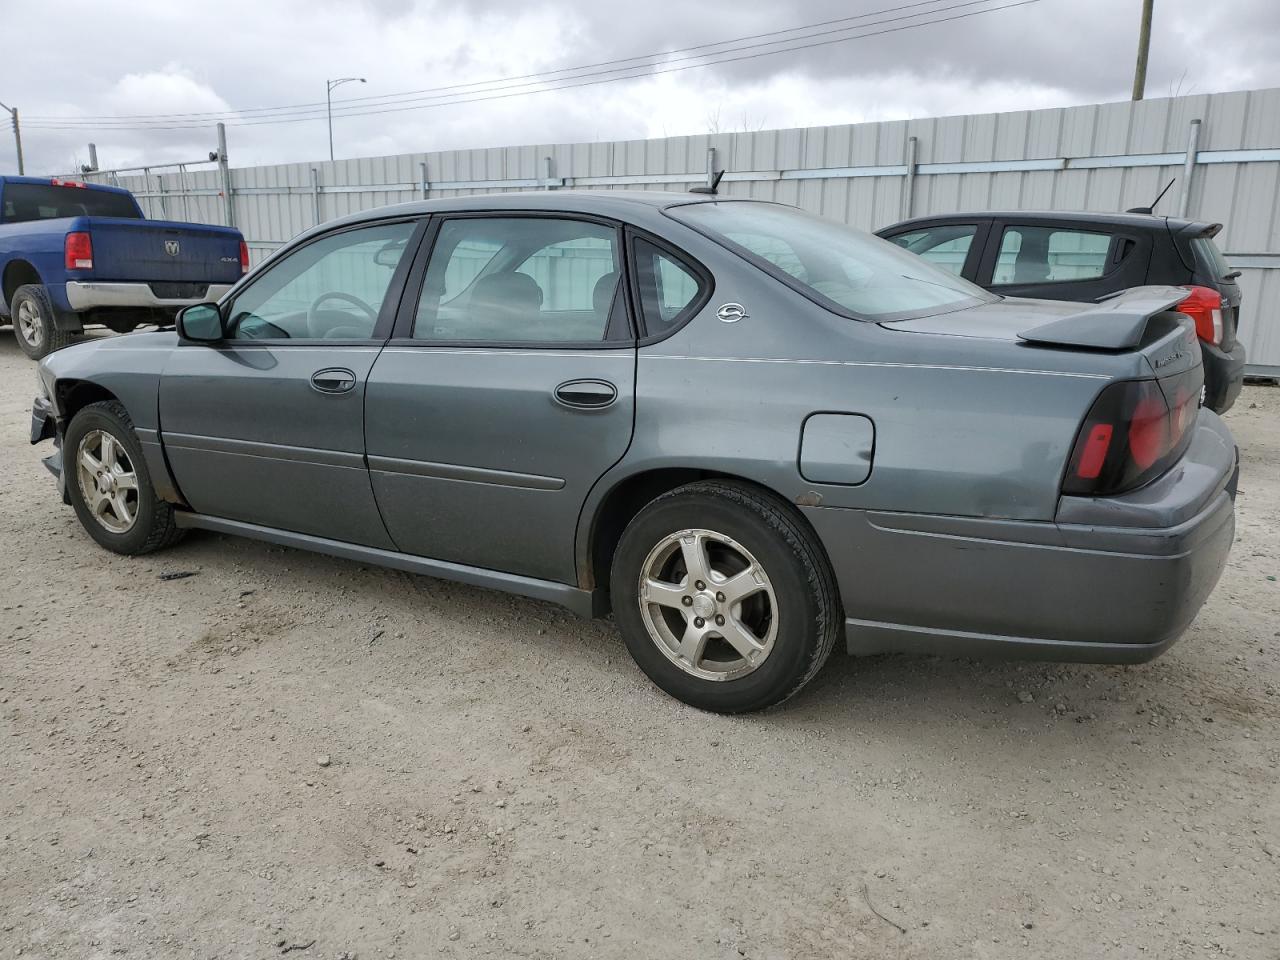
586 394
333 380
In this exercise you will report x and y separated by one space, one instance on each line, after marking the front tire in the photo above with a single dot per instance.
109 484
33 322
724 596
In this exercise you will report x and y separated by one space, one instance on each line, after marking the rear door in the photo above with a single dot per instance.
267 427
506 392
1062 260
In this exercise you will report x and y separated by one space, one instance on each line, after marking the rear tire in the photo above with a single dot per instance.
755 619
110 487
33 322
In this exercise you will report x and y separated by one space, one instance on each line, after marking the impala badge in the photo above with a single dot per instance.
171 247
732 312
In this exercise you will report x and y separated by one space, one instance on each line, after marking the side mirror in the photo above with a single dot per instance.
201 323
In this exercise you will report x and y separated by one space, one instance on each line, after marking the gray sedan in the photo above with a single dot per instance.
748 432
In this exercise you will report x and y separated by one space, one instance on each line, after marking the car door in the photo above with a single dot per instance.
1062 260
267 426
955 246
506 392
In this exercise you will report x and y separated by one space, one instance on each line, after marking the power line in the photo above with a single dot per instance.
578 82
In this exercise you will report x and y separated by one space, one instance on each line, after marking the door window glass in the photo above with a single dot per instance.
1050 255
331 289
667 287
944 246
519 279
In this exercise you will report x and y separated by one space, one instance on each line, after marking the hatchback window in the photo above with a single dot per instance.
330 289
46 201
1050 255
1207 252
944 246
842 269
519 279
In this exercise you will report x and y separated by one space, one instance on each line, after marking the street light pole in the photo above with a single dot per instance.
17 135
328 99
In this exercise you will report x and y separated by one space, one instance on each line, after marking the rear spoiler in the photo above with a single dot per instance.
1116 323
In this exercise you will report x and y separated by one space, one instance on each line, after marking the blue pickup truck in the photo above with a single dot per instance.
74 254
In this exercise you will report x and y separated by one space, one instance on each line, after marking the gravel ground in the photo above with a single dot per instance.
286 754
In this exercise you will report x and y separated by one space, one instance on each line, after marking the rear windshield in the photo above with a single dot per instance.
1208 254
845 270
43 201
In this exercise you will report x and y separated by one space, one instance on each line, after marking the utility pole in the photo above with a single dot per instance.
328 99
224 174
1144 46
17 135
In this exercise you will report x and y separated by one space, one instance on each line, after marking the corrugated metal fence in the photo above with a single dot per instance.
1224 150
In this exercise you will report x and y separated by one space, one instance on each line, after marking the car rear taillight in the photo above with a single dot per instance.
1204 306
79 251
1134 432
244 257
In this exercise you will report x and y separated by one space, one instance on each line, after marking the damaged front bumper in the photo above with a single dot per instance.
44 426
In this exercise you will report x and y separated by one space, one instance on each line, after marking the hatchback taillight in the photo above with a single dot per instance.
78 250
244 257
1204 306
1134 432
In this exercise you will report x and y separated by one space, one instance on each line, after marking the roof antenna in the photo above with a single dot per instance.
1153 202
711 187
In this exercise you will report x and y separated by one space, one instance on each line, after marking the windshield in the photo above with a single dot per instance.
45 201
844 270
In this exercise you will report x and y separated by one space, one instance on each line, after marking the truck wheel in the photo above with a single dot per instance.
33 324
109 484
724 596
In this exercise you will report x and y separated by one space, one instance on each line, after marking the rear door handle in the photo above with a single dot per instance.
333 380
586 394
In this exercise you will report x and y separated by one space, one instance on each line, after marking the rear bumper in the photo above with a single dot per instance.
1122 592
1223 376
84 295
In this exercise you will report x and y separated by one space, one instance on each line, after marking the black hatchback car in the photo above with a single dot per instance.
1088 256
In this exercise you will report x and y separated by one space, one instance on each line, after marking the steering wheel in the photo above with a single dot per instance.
313 319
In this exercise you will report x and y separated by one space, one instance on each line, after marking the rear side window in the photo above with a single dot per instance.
669 288
41 201
519 280
944 246
1050 255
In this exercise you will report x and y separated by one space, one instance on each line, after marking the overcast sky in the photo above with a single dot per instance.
94 59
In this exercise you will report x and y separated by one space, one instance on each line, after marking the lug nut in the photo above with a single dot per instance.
700 585
698 622
687 601
719 620
719 597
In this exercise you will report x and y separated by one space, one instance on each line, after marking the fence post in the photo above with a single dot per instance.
1189 167
711 166
909 187
426 184
225 172
315 194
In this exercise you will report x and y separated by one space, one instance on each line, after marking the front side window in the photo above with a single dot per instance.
944 246
330 289
845 270
1050 255
519 279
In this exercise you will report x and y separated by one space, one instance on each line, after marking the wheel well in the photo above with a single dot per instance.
627 499
75 395
18 272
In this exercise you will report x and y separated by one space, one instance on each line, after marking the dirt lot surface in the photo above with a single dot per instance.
292 755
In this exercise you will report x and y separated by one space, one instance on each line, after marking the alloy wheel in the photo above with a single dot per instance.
28 324
108 481
708 605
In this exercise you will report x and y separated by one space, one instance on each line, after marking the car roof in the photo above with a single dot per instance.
1134 221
